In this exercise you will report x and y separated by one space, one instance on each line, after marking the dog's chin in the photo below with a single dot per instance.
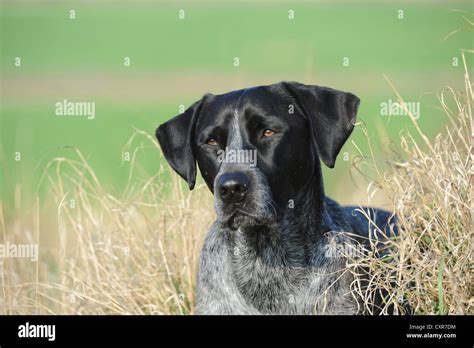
242 220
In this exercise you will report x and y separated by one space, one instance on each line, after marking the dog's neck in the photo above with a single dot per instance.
279 254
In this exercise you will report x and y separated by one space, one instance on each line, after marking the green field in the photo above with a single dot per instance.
175 61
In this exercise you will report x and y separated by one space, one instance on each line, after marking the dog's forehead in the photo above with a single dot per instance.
243 103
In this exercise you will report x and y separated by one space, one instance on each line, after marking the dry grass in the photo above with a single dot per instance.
430 264
131 255
138 253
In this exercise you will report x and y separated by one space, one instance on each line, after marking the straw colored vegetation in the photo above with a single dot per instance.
430 265
130 255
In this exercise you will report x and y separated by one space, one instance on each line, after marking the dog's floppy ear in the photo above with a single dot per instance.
176 139
331 115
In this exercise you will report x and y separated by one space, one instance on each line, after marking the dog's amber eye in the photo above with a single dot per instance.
267 133
211 141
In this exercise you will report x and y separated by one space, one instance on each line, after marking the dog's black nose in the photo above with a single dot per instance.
233 186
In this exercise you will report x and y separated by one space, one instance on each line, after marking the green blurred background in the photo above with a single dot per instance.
175 61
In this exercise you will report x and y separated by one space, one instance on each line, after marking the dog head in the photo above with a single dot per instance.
258 148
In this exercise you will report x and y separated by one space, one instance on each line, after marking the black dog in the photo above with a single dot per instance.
259 152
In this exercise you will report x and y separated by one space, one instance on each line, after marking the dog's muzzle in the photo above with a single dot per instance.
243 199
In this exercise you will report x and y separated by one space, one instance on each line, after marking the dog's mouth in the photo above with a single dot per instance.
241 218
